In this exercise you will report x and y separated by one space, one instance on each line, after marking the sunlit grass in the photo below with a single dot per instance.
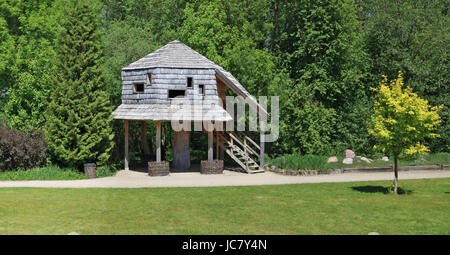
326 208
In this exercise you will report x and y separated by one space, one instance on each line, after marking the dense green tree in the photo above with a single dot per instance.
78 128
161 17
27 34
318 45
412 36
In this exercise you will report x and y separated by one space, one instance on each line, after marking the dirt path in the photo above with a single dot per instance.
131 179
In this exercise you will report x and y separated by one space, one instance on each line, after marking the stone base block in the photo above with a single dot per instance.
158 168
211 167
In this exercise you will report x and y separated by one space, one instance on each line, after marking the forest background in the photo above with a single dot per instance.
320 57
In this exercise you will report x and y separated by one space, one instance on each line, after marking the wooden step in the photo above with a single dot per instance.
239 150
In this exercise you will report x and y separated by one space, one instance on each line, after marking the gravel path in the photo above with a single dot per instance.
131 179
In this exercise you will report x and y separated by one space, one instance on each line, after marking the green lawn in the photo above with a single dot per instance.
333 208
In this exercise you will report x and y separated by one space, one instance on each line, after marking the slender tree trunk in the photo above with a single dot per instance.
274 21
395 174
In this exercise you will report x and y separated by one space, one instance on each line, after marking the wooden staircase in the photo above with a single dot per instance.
241 149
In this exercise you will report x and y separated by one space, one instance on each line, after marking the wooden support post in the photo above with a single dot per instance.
181 152
261 145
217 146
210 144
158 141
221 151
144 138
126 145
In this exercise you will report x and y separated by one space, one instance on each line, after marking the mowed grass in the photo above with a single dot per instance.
329 208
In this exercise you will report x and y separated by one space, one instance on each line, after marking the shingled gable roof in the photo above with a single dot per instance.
175 54
171 112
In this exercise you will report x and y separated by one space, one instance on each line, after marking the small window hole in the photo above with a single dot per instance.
149 79
189 82
138 87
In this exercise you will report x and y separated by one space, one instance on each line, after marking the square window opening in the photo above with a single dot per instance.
138 87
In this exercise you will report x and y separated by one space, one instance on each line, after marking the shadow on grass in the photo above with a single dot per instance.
380 189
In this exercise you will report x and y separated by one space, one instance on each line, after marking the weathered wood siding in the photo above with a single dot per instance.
164 79
222 91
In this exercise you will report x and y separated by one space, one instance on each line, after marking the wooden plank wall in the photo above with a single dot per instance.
163 79
222 91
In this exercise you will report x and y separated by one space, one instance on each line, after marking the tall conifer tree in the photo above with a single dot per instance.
78 117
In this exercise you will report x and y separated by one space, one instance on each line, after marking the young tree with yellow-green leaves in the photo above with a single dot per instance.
402 120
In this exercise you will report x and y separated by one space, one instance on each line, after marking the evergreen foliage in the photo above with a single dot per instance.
78 117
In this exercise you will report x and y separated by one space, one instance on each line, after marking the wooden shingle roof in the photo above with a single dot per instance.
173 55
166 112
178 55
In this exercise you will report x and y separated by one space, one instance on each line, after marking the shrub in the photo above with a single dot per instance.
21 150
105 171
50 172
304 162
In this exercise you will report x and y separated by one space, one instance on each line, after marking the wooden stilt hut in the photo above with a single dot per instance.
176 83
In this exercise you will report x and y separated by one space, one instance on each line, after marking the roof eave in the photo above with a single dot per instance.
241 92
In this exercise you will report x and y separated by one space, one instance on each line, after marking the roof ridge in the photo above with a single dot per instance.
174 54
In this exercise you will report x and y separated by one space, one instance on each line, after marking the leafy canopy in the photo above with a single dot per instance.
412 36
402 119
317 44
27 35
